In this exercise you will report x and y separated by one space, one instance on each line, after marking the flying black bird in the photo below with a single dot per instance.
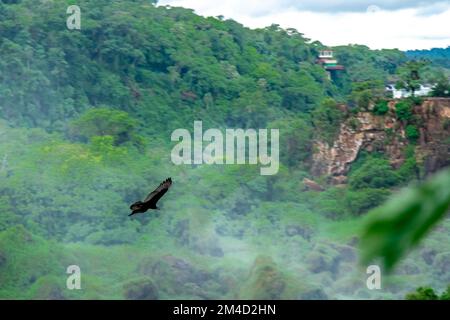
152 198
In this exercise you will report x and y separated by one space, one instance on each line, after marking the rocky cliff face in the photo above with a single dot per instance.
367 131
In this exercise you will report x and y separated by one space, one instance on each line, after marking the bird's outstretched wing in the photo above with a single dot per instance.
155 195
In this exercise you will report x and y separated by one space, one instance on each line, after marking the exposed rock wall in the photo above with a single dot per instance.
367 131
434 143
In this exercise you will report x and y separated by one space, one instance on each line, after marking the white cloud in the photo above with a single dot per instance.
420 27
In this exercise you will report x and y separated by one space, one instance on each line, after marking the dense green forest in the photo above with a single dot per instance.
438 56
85 123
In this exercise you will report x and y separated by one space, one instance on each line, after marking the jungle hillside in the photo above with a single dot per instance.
86 118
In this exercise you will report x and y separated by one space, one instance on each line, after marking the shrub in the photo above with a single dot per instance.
417 101
403 110
265 282
354 123
374 173
327 119
422 293
381 108
412 133
141 289
48 287
363 200
446 294
428 293
104 122
442 88
296 142
364 98
409 170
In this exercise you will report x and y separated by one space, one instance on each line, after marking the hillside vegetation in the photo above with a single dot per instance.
85 123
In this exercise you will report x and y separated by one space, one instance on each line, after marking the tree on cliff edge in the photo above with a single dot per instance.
410 76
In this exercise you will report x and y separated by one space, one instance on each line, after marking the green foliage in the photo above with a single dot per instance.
327 119
49 287
19 252
446 295
370 179
267 282
296 141
366 92
412 133
86 119
416 101
410 75
374 173
437 56
403 110
381 108
365 66
167 66
427 293
330 203
399 225
409 170
423 293
442 88
118 125
141 289
354 123
362 200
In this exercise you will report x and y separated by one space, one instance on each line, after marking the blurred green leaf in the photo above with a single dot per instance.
399 225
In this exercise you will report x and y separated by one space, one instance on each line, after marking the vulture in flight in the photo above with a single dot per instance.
152 198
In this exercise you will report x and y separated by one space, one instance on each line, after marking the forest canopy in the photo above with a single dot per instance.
85 123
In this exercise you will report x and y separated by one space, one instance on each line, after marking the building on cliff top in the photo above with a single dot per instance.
329 63
424 90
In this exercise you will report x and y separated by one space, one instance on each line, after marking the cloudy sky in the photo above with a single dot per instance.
403 24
